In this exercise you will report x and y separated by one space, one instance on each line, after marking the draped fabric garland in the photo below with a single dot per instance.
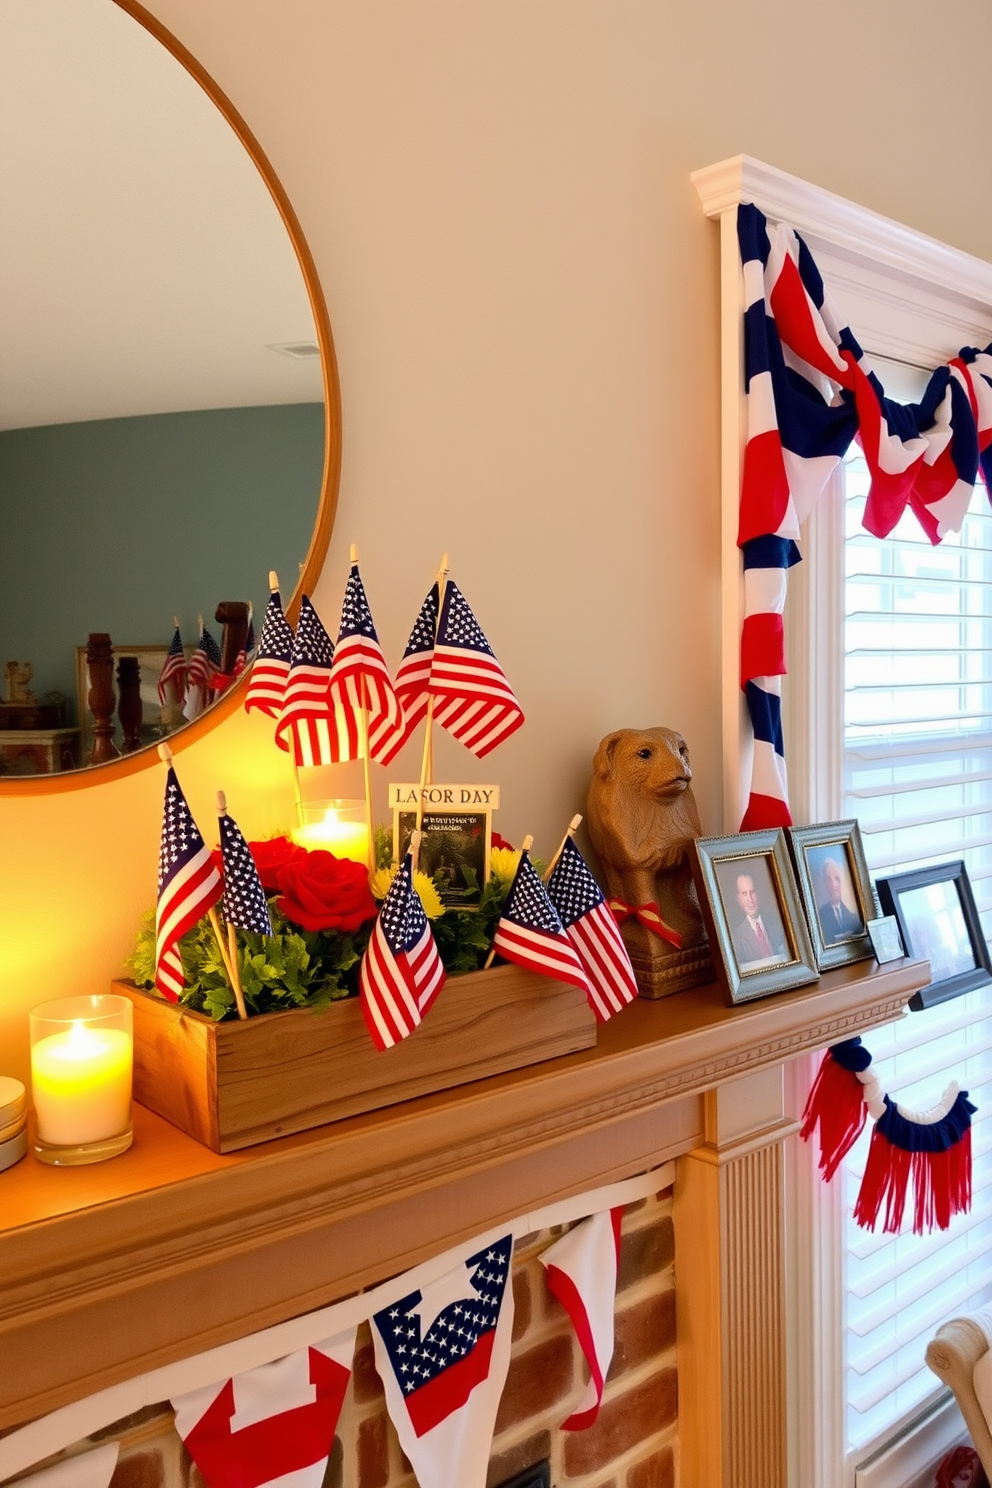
810 391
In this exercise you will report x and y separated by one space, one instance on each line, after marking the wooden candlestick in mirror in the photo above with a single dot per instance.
129 709
100 667
233 615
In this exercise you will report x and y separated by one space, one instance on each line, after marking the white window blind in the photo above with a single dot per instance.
918 776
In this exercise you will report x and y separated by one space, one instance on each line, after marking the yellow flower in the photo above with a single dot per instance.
429 897
503 863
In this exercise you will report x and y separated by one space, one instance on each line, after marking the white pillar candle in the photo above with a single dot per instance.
81 1074
341 829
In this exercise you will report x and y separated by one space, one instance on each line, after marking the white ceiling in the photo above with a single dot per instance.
143 265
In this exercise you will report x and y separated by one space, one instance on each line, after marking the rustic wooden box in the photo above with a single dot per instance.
232 1084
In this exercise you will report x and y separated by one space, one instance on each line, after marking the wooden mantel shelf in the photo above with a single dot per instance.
115 1269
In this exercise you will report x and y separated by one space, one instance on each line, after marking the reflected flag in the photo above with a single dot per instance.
472 698
188 886
306 723
267 684
359 680
246 648
172 678
594 933
203 663
530 931
402 972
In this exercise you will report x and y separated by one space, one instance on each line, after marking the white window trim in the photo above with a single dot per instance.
908 297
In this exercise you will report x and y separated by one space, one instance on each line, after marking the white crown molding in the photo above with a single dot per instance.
852 230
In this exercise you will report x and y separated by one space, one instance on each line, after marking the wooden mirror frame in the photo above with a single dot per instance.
33 785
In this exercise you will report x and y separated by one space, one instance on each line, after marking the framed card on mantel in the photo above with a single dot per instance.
457 828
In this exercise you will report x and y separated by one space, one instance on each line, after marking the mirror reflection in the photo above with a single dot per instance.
161 405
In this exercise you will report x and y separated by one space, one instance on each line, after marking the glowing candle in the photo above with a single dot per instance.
340 828
81 1056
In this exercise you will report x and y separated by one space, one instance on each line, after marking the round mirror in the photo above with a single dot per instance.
169 413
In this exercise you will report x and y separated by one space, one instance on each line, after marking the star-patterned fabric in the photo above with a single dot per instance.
360 682
439 1354
593 932
473 699
306 722
188 886
414 674
245 905
270 669
402 972
530 931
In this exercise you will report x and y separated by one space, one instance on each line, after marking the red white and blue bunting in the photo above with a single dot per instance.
264 1410
810 391
928 1150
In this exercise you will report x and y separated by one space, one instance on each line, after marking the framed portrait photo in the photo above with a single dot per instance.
750 903
939 923
836 891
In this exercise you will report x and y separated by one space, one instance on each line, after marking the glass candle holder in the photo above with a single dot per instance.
340 827
81 1057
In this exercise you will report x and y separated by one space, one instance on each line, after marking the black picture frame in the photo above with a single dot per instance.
719 865
939 923
835 885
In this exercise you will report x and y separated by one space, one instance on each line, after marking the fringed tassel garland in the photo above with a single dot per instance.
929 1149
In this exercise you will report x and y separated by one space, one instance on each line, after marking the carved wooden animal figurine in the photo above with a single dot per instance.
642 818
19 674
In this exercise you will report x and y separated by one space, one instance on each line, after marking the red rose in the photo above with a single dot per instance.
498 841
269 858
322 892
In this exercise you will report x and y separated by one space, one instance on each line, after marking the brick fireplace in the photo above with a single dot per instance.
132 1265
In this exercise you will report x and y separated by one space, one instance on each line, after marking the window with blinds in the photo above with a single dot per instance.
918 776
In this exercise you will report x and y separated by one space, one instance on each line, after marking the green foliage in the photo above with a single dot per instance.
290 968
302 968
382 839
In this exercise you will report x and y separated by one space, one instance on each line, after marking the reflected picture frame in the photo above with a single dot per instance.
744 880
835 887
938 922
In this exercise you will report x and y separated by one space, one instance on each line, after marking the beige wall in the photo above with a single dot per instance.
523 294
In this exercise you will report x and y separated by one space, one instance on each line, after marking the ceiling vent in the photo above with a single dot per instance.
300 351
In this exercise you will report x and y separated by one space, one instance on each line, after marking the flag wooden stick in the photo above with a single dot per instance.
233 969
427 765
165 755
527 845
363 718
416 837
573 827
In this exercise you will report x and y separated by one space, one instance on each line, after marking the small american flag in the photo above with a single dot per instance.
245 905
530 931
270 668
203 663
188 885
593 932
172 678
414 675
306 724
246 648
359 680
473 699
401 971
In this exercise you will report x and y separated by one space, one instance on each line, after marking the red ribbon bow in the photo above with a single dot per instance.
648 915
